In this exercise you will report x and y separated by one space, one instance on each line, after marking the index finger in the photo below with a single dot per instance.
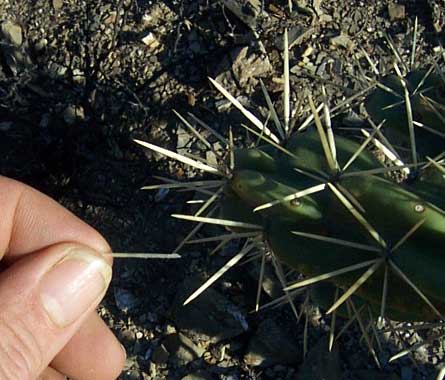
29 221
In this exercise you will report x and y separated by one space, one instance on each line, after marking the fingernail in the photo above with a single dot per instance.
70 287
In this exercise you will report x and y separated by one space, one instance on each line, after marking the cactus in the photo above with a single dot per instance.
296 231
326 207
426 97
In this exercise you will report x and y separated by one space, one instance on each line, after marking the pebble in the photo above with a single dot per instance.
111 18
127 335
57 5
272 344
309 50
352 119
72 113
125 299
12 33
396 12
247 11
210 317
160 355
132 375
320 364
183 140
200 375
244 64
211 159
250 64
151 41
182 350
342 40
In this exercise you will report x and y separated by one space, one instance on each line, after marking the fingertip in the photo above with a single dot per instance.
26 210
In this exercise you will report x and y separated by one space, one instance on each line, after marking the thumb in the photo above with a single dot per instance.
44 298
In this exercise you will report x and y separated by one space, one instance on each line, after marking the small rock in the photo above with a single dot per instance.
147 19
55 70
316 4
160 355
296 36
246 11
57 5
111 18
79 77
325 18
183 140
127 336
200 375
396 12
272 344
321 364
210 317
12 33
437 14
250 64
270 284
125 300
132 375
170 329
211 159
12 48
181 349
151 41
152 370
222 105
342 40
309 50
247 64
72 114
352 119
41 45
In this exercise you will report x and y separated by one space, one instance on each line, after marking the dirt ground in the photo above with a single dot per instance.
80 79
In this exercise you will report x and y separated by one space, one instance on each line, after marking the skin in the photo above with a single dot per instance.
35 233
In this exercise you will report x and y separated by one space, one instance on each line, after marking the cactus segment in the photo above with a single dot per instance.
316 257
266 174
255 159
427 97
430 185
309 155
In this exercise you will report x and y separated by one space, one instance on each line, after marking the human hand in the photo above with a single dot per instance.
53 274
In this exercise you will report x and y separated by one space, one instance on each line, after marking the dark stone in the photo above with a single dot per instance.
209 317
